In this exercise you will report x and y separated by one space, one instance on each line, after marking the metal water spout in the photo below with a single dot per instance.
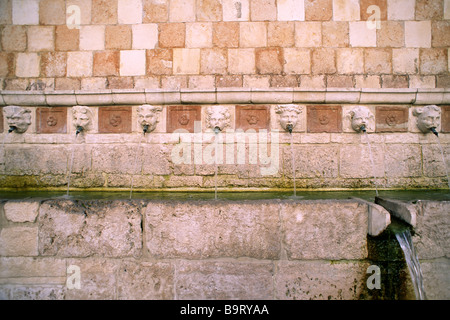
363 128
12 128
145 128
290 127
433 129
79 130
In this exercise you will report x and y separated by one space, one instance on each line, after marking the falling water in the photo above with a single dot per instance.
371 160
135 164
293 164
443 160
216 133
412 260
71 165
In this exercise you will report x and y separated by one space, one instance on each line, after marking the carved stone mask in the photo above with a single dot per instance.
361 117
17 117
218 117
288 115
82 117
428 117
148 116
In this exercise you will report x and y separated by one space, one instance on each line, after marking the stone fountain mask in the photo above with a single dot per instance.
82 117
428 117
217 117
288 115
17 117
361 116
148 116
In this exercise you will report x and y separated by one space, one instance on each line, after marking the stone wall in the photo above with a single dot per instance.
132 249
135 44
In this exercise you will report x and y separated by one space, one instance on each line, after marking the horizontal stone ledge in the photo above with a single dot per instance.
233 95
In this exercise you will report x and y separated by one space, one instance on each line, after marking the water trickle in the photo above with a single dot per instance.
412 260
135 164
443 160
371 160
69 174
293 164
216 134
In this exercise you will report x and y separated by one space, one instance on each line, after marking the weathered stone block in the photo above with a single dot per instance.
155 11
114 120
209 10
5 12
132 62
429 9
401 160
361 36
377 61
323 61
199 35
226 34
182 11
320 280
21 210
263 10
19 241
172 35
52 269
213 61
241 61
14 38
52 12
129 11
224 279
40 38
325 230
236 10
67 39
365 13
159 61
401 9
349 61
106 63
253 34
391 119
145 36
405 60
391 34
346 10
54 64
104 11
433 61
79 64
92 37
297 61
51 120
186 61
280 34
308 34
269 60
440 31
418 34
290 10
85 8
433 165
394 81
118 37
312 162
198 230
25 12
90 228
146 280
318 10
355 161
335 34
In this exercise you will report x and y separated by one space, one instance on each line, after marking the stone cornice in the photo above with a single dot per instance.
226 96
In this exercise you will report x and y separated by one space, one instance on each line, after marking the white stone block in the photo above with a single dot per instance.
253 34
132 62
235 10
145 36
298 61
346 10
418 34
92 37
40 38
186 61
129 11
21 210
27 65
25 12
405 60
291 10
241 61
182 10
199 35
447 9
401 9
79 64
361 35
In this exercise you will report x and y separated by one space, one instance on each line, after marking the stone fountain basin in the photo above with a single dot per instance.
242 246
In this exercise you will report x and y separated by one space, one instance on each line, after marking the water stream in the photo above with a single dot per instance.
216 133
135 164
412 261
371 160
443 160
69 174
293 164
